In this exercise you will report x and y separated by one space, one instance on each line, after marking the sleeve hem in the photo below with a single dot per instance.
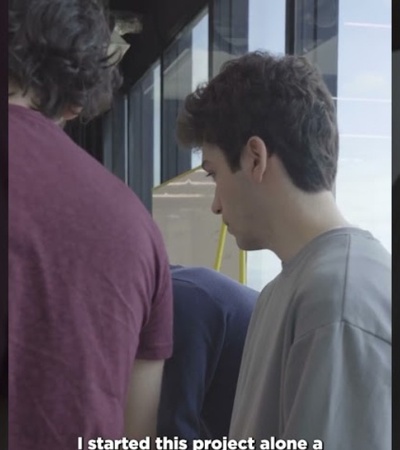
159 352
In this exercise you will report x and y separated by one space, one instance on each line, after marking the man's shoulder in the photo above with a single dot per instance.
348 279
62 173
58 189
344 258
212 286
208 279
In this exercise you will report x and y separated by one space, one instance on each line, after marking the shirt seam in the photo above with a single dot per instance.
344 321
346 273
345 231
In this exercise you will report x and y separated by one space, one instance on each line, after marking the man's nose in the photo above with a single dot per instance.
216 205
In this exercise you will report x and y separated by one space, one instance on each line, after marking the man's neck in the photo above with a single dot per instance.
304 220
16 98
19 100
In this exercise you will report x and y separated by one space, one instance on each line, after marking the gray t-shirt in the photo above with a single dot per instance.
317 358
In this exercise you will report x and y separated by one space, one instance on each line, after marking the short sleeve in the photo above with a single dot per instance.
337 388
155 340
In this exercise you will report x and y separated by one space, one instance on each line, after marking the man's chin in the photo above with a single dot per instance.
247 244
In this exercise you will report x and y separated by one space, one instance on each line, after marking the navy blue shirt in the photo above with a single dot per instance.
211 317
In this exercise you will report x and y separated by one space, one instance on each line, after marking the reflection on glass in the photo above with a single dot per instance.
315 32
200 51
185 66
230 31
364 112
199 65
120 138
177 84
157 126
144 134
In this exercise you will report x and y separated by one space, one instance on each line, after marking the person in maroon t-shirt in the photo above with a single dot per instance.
90 297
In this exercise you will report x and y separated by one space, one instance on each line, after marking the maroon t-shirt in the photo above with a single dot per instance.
89 289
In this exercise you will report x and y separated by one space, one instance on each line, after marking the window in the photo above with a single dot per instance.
267 26
352 47
115 138
199 65
363 188
144 134
185 65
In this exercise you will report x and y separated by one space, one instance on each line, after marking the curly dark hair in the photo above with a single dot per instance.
281 99
58 51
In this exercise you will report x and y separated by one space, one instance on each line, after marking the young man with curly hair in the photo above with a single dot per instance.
317 358
90 297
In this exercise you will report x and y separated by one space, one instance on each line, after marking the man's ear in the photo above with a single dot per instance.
254 158
71 112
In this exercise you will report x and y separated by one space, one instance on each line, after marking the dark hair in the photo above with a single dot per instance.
282 100
58 51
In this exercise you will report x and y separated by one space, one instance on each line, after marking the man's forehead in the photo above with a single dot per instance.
211 152
213 157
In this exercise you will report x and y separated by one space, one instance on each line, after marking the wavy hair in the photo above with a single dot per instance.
58 52
281 99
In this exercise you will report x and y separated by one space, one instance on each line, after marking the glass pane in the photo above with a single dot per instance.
120 138
199 65
200 52
177 84
363 188
230 31
157 126
316 36
144 134
135 138
267 25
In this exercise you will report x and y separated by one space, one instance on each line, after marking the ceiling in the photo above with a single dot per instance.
161 21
